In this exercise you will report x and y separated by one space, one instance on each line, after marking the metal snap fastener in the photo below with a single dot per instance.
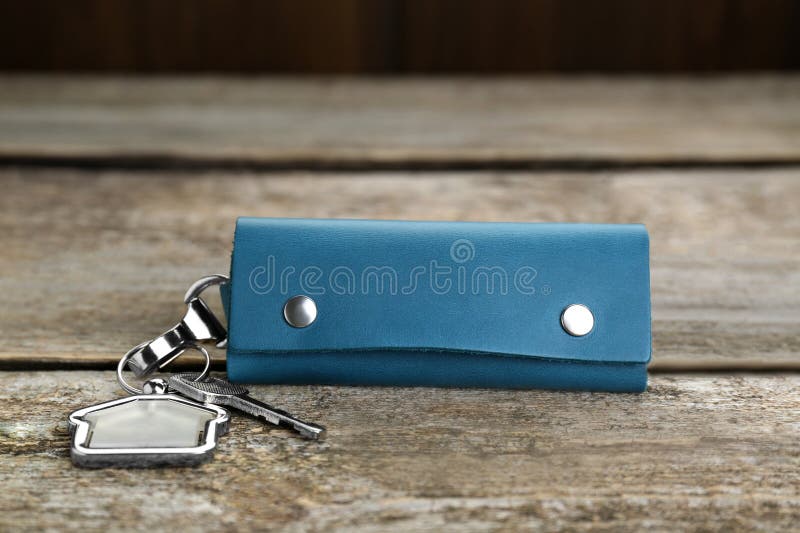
300 311
577 320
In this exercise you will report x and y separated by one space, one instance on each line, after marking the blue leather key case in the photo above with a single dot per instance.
457 304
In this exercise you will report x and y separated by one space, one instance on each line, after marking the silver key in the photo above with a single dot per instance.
218 391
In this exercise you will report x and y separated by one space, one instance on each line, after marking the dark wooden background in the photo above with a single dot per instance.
399 36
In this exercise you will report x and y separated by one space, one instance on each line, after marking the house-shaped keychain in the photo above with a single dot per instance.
146 430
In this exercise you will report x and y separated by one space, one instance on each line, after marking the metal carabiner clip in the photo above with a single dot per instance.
199 324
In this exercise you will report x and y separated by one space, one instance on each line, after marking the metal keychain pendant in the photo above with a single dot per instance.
149 428
146 430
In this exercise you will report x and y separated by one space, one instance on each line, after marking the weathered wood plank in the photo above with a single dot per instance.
379 121
95 262
694 453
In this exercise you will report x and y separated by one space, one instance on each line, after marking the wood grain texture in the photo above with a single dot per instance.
399 122
694 453
96 262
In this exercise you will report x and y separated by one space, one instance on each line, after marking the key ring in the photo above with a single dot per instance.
199 324
133 390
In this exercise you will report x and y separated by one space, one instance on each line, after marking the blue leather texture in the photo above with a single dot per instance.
439 303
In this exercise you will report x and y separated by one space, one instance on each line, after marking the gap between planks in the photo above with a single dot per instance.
72 361
158 162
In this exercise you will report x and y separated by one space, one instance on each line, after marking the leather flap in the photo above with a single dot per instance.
496 288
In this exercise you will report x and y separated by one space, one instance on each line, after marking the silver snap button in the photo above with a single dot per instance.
577 320
300 311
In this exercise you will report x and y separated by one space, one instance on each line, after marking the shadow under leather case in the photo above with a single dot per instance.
462 304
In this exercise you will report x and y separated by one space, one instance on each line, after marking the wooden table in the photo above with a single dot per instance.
119 192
